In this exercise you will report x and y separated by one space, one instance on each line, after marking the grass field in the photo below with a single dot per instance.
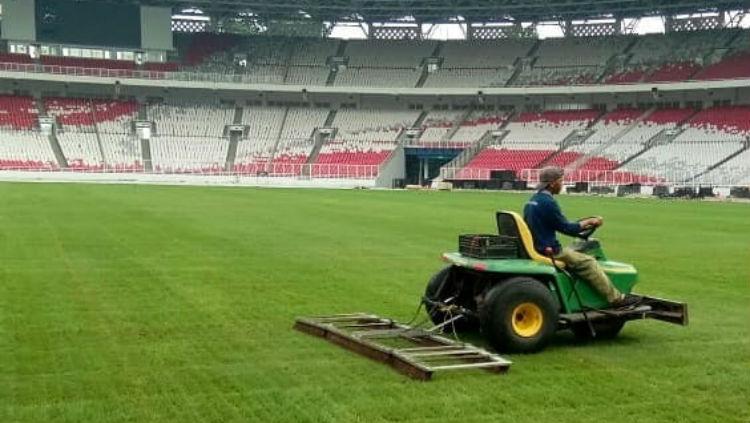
175 304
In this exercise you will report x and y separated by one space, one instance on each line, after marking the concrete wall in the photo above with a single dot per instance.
395 168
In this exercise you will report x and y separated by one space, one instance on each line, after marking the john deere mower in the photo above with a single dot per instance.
500 285
519 298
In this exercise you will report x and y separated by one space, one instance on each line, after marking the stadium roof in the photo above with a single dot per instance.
443 10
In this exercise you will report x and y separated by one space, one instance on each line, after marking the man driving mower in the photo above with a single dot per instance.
544 217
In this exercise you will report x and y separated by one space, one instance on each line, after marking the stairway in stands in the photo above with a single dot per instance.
340 51
234 140
320 140
52 137
471 151
145 144
578 163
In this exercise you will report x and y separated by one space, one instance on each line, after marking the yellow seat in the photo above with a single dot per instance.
512 224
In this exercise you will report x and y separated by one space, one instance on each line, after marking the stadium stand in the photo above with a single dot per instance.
646 134
478 63
264 126
161 67
307 75
308 62
670 57
191 118
622 145
175 154
373 124
682 160
352 159
254 156
301 121
364 141
466 78
81 150
25 150
311 52
532 139
708 137
106 141
18 112
381 63
203 45
190 136
734 66
88 64
378 77
279 139
290 156
122 152
388 54
672 72
677 56
602 152
15 58
121 148
438 125
571 60
84 114
296 142
547 130
736 171
476 125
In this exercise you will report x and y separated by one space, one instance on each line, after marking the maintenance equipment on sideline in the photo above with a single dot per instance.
500 285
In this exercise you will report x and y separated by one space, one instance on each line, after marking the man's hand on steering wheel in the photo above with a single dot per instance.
589 225
592 222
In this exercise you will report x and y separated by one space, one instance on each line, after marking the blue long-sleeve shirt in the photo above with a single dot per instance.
544 217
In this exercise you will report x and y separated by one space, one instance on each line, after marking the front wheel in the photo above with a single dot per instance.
519 315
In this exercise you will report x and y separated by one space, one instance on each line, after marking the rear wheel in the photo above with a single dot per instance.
605 329
447 286
519 315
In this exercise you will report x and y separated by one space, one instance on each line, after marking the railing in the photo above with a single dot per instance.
464 174
613 177
444 145
139 74
260 170
314 171
242 78
728 178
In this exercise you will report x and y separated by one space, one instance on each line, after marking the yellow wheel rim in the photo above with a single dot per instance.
527 320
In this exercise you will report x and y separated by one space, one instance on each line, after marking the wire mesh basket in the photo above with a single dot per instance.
486 246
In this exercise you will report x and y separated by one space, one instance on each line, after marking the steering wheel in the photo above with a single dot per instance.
586 233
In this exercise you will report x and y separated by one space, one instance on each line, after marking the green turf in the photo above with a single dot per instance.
175 304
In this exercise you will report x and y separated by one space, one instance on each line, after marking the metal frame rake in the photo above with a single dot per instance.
427 353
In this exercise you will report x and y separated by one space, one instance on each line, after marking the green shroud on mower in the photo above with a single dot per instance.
521 301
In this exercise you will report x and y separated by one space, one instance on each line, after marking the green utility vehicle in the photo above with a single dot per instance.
519 298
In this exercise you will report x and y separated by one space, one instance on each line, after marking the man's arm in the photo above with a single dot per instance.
561 223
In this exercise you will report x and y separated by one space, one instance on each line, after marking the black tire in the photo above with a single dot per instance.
508 302
442 286
605 329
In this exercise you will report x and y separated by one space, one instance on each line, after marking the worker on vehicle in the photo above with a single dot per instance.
544 217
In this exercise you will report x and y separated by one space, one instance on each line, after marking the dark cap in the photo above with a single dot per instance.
549 175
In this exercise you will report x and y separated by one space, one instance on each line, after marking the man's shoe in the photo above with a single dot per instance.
628 300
